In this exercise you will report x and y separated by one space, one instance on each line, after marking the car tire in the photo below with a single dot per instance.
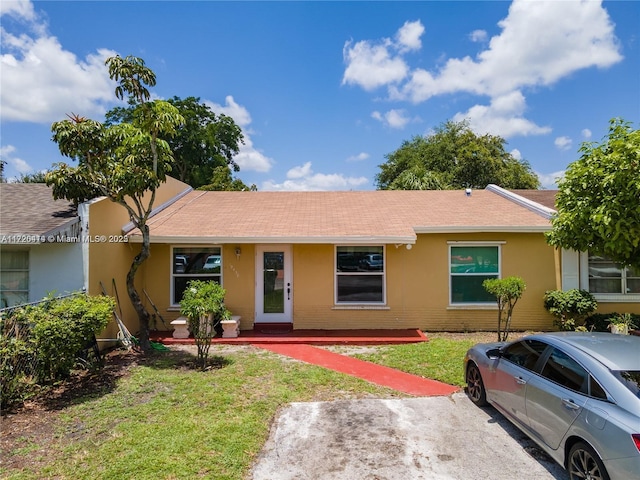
475 386
584 462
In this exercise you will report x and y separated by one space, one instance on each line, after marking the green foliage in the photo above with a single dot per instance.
17 357
222 180
203 304
569 307
507 292
454 157
41 343
205 142
597 203
62 328
126 162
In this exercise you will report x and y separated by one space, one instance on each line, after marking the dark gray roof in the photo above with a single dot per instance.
546 198
29 209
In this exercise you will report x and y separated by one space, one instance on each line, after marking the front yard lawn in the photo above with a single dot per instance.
156 417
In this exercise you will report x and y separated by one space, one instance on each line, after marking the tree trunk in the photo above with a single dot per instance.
143 315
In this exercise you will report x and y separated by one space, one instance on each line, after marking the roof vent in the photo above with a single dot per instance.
468 192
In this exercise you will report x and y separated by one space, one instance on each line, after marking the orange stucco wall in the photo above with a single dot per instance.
110 260
417 285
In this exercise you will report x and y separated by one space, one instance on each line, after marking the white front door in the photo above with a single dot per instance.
274 286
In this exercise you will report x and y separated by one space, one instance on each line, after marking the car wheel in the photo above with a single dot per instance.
475 386
584 463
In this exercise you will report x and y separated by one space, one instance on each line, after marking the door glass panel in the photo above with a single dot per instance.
273 276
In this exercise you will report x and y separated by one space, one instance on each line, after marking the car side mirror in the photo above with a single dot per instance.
494 353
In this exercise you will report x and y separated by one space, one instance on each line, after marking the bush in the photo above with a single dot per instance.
570 307
41 343
507 292
203 304
17 358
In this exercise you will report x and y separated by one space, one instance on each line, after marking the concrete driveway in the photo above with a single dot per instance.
432 438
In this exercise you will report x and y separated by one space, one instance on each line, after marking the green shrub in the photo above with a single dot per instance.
507 292
17 358
62 328
203 304
569 307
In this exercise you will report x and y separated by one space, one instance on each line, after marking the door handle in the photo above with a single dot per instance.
570 404
521 381
288 291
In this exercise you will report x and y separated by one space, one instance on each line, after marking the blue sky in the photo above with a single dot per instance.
324 90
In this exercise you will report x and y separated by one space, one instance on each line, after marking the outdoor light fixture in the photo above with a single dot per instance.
238 252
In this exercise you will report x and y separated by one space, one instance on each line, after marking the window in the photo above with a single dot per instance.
193 263
360 274
606 276
525 353
564 370
14 277
469 267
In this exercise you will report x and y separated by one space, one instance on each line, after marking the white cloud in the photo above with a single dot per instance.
248 158
362 156
408 37
373 64
19 165
550 180
577 35
563 143
586 134
393 118
478 36
302 178
515 153
41 81
503 117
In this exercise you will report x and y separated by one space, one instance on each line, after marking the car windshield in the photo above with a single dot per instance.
630 379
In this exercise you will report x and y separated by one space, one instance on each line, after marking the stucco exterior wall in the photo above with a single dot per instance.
417 285
110 260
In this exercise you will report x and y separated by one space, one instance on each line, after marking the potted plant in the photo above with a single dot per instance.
620 324
203 304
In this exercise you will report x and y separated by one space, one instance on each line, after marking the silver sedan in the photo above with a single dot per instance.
575 394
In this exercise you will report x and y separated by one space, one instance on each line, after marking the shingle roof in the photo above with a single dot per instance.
330 217
29 209
546 198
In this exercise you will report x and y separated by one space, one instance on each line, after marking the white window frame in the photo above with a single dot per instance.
203 276
619 297
382 274
470 244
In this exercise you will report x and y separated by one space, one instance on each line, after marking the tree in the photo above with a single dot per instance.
454 157
37 177
507 292
204 141
222 180
598 201
126 162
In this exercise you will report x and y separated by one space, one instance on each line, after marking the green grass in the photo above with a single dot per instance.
171 422
439 359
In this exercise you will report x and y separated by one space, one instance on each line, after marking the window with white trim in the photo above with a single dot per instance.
360 274
469 266
14 277
193 263
606 276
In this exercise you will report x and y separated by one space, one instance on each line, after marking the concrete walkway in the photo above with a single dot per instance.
371 372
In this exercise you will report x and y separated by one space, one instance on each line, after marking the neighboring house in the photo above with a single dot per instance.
353 260
615 288
36 256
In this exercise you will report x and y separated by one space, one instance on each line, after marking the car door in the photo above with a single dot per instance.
556 397
513 371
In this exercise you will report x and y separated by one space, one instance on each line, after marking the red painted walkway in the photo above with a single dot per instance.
378 374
